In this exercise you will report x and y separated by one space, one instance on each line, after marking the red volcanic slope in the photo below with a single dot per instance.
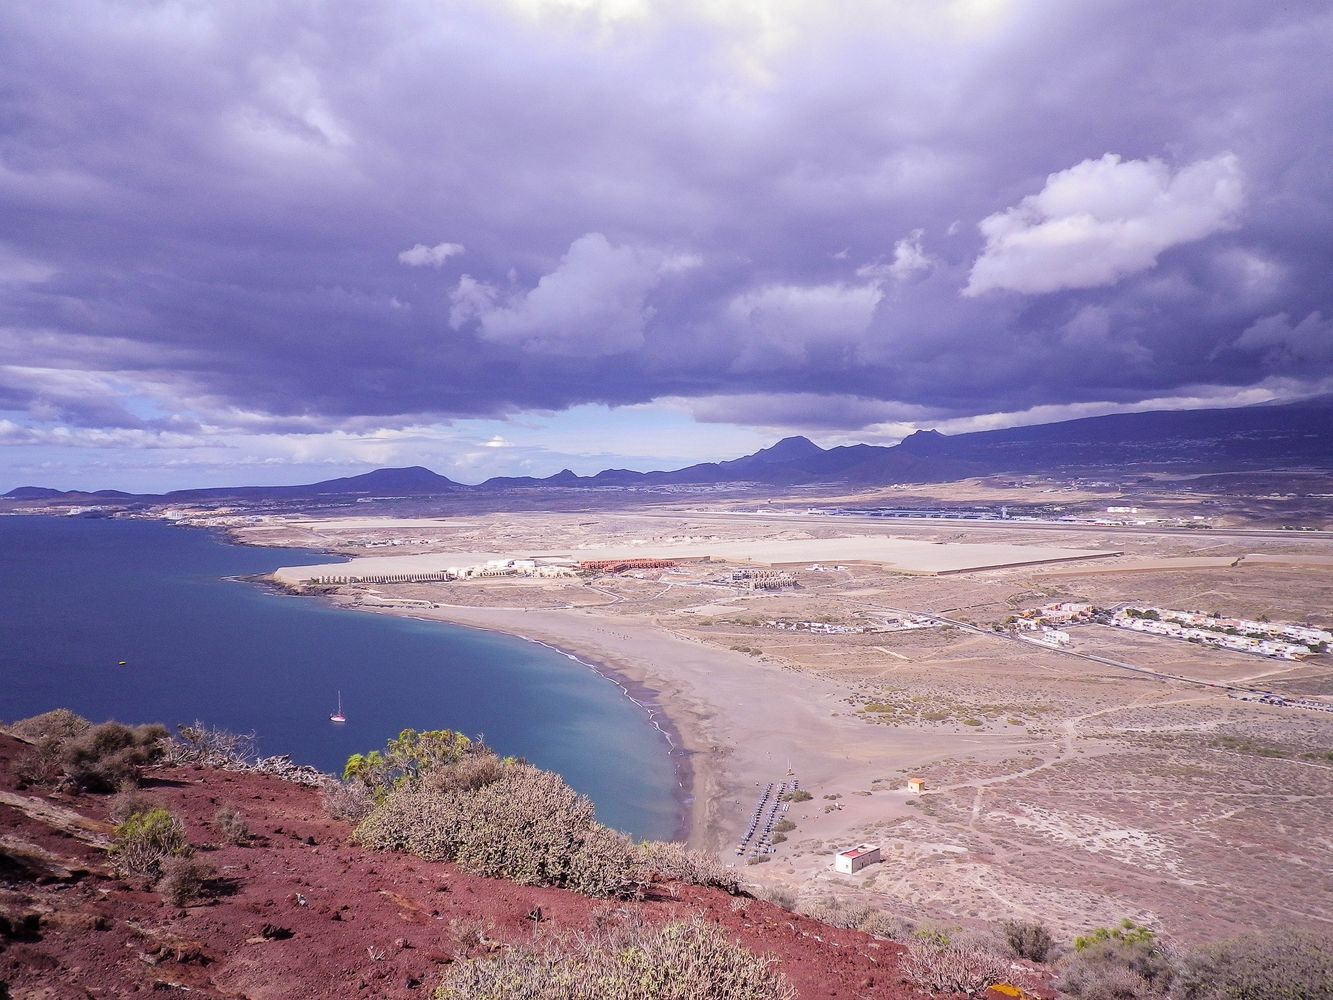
360 924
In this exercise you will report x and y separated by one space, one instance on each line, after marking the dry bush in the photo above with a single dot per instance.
470 772
678 960
953 969
1029 939
780 896
878 923
860 917
127 801
146 841
351 801
1280 964
105 756
38 765
183 880
470 934
672 862
230 825
838 912
210 747
1117 969
528 826
55 726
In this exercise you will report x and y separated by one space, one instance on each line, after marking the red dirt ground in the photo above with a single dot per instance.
349 923
303 912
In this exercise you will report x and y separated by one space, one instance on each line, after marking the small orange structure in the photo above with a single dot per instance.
916 785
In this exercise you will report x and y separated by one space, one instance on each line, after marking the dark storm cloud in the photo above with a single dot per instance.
302 217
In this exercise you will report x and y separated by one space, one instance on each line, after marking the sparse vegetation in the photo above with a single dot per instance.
230 825
629 962
68 750
1029 939
1281 964
799 795
674 862
183 879
350 801
210 746
527 826
55 726
1125 962
953 969
103 757
127 801
146 841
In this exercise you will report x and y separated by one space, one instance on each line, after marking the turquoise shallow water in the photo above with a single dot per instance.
79 595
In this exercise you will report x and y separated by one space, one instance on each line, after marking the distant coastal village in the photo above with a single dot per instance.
1280 640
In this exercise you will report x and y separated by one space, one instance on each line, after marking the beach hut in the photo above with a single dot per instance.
854 859
916 785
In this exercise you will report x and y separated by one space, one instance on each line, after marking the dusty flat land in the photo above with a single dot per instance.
1056 786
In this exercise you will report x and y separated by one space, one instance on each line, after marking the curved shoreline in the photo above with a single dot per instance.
657 717
643 695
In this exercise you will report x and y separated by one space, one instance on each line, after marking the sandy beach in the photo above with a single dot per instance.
740 722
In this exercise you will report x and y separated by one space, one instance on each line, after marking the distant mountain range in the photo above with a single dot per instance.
1268 436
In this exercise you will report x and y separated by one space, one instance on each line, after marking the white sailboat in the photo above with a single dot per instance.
338 715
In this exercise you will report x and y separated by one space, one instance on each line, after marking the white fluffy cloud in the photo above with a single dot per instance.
1101 220
424 256
593 303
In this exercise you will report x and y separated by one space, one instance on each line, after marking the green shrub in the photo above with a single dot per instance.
1126 932
183 880
230 825
145 842
105 756
800 795
407 759
1280 964
784 826
678 960
1029 939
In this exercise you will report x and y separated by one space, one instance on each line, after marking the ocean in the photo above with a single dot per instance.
79 595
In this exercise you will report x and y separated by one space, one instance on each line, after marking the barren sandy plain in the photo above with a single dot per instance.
1056 786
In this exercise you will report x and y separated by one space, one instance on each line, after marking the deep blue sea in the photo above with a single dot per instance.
79 595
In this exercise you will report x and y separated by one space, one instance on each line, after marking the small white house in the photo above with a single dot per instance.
855 858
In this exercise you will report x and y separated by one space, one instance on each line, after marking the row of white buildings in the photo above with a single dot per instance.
1278 640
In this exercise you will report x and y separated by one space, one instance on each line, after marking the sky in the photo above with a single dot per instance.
247 242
